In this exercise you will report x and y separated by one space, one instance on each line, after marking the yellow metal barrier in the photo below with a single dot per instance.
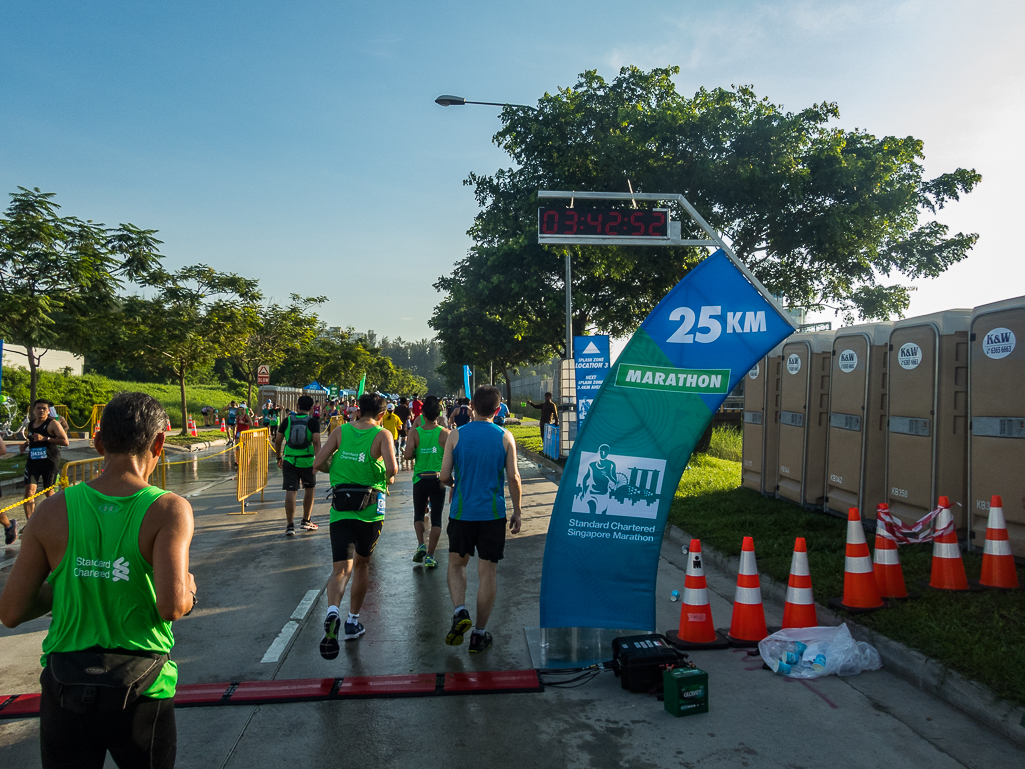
335 422
94 419
252 456
87 469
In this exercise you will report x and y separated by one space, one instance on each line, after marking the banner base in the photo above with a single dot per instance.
572 647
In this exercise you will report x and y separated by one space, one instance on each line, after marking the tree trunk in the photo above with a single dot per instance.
185 417
249 398
508 387
33 375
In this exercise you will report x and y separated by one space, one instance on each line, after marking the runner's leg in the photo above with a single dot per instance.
457 578
340 573
487 571
308 499
30 505
360 583
290 507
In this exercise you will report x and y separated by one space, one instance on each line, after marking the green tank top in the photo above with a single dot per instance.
103 592
429 452
353 463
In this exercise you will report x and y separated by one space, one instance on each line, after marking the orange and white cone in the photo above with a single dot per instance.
799 609
747 626
696 630
224 426
860 592
947 567
192 428
997 561
886 563
168 428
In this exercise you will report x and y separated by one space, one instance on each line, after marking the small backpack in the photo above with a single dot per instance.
298 432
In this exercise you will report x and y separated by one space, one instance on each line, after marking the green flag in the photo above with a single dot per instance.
362 386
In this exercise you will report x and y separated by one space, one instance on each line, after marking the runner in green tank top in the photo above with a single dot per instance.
110 559
426 444
360 456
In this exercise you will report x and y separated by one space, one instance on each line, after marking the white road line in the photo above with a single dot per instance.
280 644
277 648
305 605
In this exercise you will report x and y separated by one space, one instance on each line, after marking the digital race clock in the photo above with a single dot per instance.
625 223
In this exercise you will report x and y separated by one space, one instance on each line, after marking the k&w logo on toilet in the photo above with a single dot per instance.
909 355
848 361
998 343
612 484
793 363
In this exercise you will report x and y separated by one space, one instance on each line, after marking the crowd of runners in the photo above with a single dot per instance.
109 558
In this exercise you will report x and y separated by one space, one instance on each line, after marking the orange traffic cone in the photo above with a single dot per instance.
696 630
860 592
747 626
886 563
224 426
168 428
947 567
192 427
799 609
997 562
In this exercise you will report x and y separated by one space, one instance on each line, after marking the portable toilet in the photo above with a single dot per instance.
996 403
804 418
927 415
856 443
761 423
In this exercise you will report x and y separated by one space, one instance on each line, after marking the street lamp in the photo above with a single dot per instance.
447 100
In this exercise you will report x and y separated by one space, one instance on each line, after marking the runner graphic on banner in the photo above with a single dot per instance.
591 356
605 534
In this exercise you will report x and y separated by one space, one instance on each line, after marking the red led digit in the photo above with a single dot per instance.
595 224
637 220
571 222
660 220
550 222
612 228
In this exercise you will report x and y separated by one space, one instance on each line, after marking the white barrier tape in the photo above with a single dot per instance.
695 596
945 550
997 547
748 595
858 564
886 557
903 534
800 595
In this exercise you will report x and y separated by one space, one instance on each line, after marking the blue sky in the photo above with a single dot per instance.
298 143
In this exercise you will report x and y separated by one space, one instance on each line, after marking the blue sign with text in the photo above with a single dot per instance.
591 355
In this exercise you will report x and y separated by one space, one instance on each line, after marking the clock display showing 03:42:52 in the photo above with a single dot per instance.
625 223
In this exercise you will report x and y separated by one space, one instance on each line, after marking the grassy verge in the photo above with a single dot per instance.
170 398
203 435
12 466
527 437
727 443
980 635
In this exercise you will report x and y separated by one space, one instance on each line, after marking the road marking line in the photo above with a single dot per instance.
305 605
277 648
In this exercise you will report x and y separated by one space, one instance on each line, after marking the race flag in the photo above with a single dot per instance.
605 533
362 386
466 380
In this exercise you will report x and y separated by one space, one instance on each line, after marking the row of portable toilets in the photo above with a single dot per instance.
900 413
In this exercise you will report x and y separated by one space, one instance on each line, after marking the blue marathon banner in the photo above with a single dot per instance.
466 381
605 533
591 354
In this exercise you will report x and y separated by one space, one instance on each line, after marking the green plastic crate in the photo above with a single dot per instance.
685 691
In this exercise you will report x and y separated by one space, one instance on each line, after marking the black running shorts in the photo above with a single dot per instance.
428 490
488 537
349 536
41 473
291 476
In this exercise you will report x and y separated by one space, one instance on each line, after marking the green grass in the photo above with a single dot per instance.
527 437
203 435
980 635
727 443
12 466
170 398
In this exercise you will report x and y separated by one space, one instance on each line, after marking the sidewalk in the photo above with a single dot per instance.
253 582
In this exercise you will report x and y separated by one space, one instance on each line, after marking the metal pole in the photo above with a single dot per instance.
569 307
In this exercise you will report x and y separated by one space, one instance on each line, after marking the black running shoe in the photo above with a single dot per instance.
479 641
11 532
329 644
460 624
290 530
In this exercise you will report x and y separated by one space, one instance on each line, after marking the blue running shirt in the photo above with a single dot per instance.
478 464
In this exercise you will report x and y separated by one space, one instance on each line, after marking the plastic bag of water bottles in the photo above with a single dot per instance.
811 652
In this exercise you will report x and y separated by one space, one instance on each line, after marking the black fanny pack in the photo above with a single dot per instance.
100 681
349 497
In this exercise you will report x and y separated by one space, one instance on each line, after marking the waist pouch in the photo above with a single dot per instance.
100 681
349 497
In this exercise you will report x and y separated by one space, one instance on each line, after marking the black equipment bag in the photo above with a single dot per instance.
640 660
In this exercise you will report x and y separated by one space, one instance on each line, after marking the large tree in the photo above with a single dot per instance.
819 213
59 275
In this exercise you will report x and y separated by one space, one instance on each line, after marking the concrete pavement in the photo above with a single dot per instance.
254 584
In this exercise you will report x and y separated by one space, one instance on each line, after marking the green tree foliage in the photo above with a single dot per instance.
820 214
59 276
196 316
420 359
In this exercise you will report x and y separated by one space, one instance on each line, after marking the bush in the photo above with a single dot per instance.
727 443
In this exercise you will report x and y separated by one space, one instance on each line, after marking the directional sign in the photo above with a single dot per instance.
263 375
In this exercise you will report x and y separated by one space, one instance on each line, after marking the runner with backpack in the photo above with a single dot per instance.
300 434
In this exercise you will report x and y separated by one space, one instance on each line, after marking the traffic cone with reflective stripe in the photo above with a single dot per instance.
886 563
799 609
192 427
168 428
947 567
860 592
224 426
997 561
747 626
696 630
